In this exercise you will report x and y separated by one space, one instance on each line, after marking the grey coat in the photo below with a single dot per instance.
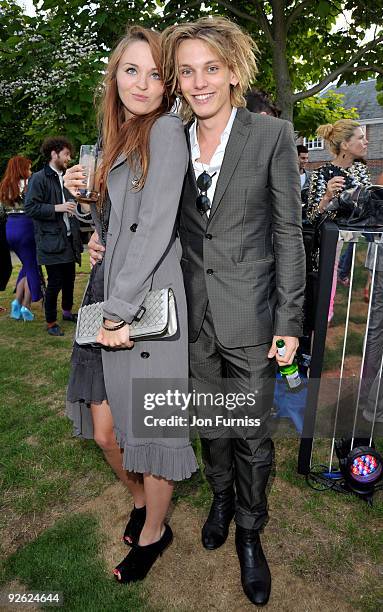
141 254
247 260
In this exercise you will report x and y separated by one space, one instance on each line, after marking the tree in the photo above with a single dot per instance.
51 64
304 44
314 111
11 114
49 75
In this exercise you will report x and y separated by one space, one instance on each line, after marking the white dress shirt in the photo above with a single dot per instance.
65 215
216 161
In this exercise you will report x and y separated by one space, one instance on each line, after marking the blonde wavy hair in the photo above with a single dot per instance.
336 133
233 46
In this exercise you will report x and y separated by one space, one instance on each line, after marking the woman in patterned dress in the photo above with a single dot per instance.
347 141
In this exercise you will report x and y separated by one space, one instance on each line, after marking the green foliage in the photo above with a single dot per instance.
51 64
49 74
320 37
379 89
310 113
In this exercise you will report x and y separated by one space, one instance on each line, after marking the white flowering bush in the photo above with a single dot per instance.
48 78
51 64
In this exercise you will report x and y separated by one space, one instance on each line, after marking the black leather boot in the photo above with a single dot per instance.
216 528
255 573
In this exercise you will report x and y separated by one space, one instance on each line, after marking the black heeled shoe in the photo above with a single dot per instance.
216 527
134 526
140 559
255 572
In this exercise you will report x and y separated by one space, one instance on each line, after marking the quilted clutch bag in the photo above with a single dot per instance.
157 318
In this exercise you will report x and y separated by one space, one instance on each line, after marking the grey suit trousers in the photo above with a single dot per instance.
372 387
236 455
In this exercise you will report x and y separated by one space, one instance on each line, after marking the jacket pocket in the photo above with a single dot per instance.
52 242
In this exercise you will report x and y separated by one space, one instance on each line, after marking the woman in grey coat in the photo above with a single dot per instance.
144 161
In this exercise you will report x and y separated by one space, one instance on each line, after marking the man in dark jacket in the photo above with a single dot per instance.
57 231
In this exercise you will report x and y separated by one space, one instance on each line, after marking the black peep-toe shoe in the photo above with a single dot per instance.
140 559
134 526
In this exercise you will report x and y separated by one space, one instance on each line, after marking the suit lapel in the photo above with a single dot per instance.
190 167
237 141
189 200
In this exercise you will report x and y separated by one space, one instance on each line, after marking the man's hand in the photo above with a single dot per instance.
115 339
67 207
291 344
95 249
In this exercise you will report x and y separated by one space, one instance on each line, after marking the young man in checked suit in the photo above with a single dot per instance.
244 267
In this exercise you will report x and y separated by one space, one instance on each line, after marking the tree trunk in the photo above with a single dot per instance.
281 69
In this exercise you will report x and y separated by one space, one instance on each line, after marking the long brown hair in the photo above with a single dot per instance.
121 135
17 168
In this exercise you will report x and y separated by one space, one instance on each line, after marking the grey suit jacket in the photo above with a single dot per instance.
247 260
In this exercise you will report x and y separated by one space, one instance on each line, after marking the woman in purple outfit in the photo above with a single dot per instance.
20 236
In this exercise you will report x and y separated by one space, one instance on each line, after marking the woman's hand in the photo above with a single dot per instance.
95 249
114 339
334 186
75 179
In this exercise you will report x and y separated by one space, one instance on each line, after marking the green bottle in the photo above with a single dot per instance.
289 372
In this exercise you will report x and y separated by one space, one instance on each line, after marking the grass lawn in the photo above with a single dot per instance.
63 513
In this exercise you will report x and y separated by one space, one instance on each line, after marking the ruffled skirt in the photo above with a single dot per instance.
86 380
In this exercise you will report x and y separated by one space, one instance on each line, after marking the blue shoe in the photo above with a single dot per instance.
15 310
55 330
26 314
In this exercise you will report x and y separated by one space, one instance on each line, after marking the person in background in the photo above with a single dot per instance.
304 350
258 101
344 268
5 254
305 175
20 236
57 231
347 141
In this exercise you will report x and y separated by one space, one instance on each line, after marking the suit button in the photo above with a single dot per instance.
145 355
208 236
133 227
209 271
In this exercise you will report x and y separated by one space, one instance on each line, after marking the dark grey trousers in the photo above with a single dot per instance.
236 455
372 386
